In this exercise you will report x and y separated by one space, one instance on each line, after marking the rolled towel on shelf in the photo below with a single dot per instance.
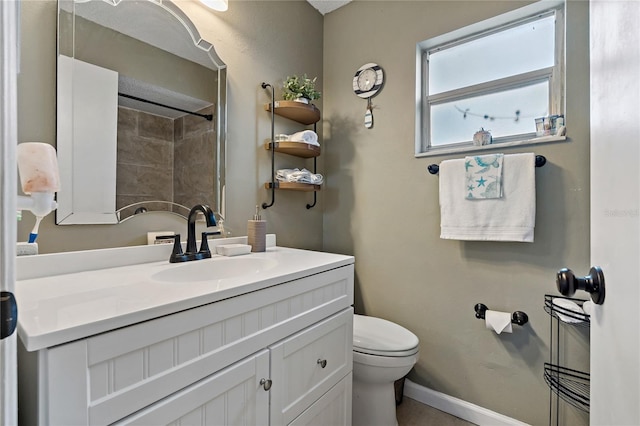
305 136
299 176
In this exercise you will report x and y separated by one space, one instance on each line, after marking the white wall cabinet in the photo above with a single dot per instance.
203 366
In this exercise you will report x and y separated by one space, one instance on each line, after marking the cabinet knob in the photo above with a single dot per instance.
266 384
322 362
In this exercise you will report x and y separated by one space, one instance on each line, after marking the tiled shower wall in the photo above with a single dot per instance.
164 159
194 159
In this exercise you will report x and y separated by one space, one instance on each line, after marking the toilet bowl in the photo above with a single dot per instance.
383 352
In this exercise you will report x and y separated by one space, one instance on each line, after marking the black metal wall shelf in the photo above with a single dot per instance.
301 113
570 385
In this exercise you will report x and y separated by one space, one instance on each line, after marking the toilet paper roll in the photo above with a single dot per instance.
500 322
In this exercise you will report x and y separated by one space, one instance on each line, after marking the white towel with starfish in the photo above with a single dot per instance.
510 218
483 178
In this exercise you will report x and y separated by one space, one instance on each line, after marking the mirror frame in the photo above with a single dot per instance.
71 210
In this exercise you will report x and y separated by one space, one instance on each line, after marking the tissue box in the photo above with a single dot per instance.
151 237
233 249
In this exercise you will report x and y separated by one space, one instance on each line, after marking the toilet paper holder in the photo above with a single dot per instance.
518 317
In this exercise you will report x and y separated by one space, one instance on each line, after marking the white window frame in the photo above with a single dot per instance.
555 75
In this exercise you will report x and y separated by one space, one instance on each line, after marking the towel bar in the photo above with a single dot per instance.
434 168
518 317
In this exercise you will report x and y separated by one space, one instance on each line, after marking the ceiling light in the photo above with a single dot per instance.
219 5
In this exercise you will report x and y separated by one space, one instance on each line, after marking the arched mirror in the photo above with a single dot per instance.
141 112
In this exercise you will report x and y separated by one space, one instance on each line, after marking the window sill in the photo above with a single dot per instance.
472 148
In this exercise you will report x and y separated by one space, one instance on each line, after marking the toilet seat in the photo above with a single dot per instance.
386 353
376 336
385 361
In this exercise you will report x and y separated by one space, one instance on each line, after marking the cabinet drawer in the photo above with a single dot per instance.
333 408
308 364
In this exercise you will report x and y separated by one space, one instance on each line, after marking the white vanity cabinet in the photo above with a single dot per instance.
204 365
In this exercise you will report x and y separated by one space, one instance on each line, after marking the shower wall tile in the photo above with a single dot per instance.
153 126
178 129
127 179
145 152
145 161
196 150
164 159
127 121
155 181
145 183
195 126
194 160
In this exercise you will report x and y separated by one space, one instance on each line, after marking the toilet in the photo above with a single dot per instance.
383 352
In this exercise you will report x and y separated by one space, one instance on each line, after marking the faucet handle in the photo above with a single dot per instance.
176 253
204 244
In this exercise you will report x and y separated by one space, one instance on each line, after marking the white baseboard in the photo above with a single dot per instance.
457 407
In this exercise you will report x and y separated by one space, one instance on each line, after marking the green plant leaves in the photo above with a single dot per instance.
295 87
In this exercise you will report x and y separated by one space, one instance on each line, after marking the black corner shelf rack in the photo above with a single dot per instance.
576 319
570 385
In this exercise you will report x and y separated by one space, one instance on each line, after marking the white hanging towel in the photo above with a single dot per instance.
510 218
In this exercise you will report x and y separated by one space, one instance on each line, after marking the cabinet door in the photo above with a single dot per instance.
333 408
306 365
234 396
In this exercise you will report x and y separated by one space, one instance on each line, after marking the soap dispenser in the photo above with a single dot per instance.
257 232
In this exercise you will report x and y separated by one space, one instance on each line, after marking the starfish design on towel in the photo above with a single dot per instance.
470 187
481 181
491 190
487 164
467 165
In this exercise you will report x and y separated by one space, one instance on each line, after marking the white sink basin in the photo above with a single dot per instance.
215 269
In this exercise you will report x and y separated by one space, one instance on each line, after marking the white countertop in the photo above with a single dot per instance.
56 309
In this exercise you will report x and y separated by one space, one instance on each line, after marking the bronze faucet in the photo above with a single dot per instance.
192 253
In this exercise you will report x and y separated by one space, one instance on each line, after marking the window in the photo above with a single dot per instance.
499 75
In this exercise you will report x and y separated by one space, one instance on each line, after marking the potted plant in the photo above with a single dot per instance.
301 89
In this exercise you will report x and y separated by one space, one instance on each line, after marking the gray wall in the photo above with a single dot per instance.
382 206
259 41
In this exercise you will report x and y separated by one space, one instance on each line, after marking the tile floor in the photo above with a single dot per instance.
414 413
